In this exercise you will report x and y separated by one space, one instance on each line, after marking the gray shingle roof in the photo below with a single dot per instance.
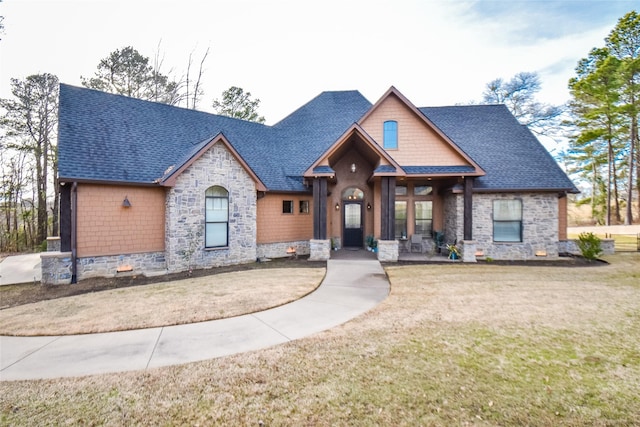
511 156
106 137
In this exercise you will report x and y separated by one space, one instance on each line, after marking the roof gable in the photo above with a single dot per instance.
321 167
420 143
174 171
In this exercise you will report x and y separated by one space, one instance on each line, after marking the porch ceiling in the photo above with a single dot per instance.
357 144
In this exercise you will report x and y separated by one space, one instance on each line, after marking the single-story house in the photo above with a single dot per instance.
155 187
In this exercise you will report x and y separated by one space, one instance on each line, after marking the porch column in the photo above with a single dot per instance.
65 217
388 208
468 208
320 208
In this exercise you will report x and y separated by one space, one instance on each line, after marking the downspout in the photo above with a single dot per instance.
74 233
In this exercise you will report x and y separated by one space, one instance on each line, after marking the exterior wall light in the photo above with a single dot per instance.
353 168
337 206
126 203
369 206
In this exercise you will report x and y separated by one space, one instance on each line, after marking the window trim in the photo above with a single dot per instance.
226 223
520 222
390 135
429 220
291 209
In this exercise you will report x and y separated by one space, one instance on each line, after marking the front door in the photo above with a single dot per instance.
352 231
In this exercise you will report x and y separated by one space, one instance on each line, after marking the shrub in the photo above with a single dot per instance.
589 245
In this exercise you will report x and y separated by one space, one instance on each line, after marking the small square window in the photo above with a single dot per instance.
304 206
401 190
287 206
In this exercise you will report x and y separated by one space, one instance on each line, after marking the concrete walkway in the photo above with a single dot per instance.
350 288
20 269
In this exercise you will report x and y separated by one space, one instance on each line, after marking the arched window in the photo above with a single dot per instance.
352 193
216 217
390 135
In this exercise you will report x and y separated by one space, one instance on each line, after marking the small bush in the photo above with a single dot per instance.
589 245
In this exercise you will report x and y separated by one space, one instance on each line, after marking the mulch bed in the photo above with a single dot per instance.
14 295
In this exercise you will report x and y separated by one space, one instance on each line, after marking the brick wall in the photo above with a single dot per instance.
105 227
418 144
185 213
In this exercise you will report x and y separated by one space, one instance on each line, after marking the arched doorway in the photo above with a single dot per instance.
352 217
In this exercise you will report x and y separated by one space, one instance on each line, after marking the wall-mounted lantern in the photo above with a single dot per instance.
126 203
337 206
353 168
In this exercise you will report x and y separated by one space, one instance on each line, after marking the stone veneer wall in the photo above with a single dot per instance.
539 226
453 218
388 250
319 250
107 265
570 246
56 268
279 250
185 213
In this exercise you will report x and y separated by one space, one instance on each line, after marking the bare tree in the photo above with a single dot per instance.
519 95
30 122
195 96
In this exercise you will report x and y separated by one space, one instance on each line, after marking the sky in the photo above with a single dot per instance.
436 52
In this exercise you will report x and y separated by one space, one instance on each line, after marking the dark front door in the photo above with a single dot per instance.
352 231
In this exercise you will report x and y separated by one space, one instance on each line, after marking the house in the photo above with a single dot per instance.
152 187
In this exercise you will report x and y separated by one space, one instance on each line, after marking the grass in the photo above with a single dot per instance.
452 345
183 301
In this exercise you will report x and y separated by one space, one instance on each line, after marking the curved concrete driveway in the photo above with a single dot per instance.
350 288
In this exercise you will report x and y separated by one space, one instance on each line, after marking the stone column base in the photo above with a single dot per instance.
469 251
319 250
388 250
56 268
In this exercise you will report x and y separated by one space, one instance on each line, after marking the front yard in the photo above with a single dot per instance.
452 345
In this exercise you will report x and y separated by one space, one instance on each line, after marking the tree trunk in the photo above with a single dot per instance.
628 219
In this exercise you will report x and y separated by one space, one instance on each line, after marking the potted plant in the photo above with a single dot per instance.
454 252
372 244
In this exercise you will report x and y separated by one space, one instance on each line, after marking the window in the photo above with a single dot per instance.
401 219
287 206
353 193
304 207
422 190
390 135
424 217
216 217
507 220
401 190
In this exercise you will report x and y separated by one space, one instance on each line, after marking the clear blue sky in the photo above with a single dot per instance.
438 52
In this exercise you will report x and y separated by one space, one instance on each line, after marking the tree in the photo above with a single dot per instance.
238 104
127 72
596 114
194 95
30 123
518 94
605 106
623 44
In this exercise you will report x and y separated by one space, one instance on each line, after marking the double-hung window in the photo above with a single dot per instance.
424 217
216 217
507 220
